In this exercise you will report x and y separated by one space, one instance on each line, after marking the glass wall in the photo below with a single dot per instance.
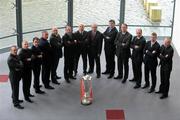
7 23
95 11
139 12
43 14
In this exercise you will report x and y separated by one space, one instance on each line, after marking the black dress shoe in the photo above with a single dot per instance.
132 80
29 100
58 77
72 77
110 76
68 81
30 95
124 81
49 87
90 72
106 72
118 77
137 86
20 101
56 82
40 92
18 106
151 91
145 86
164 96
158 92
98 76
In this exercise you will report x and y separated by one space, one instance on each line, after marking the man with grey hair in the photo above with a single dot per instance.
56 44
95 39
46 59
15 72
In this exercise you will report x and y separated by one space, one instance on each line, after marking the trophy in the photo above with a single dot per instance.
86 90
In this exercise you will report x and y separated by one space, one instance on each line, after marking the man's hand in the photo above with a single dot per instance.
136 46
28 59
154 52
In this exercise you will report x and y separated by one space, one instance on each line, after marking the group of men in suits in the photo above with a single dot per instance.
44 56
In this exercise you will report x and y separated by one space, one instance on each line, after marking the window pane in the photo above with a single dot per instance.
98 11
136 14
42 14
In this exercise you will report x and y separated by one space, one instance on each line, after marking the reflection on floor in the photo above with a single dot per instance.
63 103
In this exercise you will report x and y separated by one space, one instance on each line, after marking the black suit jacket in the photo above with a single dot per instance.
15 67
56 44
150 58
24 55
46 49
109 38
137 52
82 42
166 55
122 43
95 44
69 44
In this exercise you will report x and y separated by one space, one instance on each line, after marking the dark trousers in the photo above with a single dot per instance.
26 78
152 69
165 80
68 66
137 71
14 80
123 63
110 62
95 58
84 58
36 72
54 68
46 68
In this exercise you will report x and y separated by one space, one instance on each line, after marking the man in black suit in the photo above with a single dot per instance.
94 50
56 44
137 45
36 64
25 55
122 42
109 48
46 59
151 52
69 43
81 48
166 56
15 72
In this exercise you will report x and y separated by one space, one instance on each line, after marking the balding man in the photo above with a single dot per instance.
81 48
166 56
137 45
122 42
46 59
15 72
25 55
94 50
69 46
56 44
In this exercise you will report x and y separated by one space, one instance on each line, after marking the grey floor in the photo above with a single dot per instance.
63 103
